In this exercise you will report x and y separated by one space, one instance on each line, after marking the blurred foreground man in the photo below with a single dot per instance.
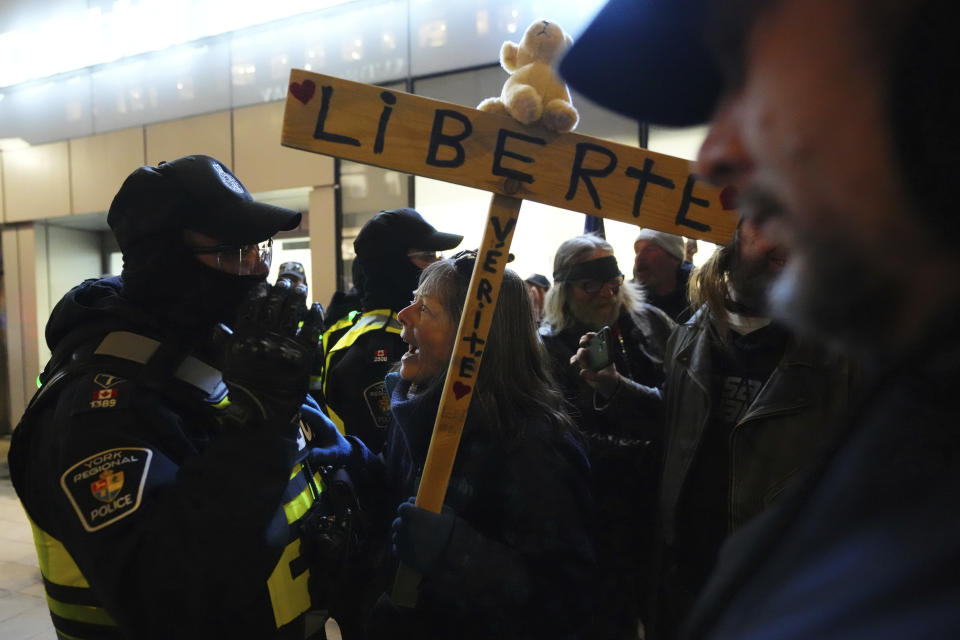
836 121
168 499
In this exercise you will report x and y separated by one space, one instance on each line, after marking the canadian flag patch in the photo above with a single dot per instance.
105 394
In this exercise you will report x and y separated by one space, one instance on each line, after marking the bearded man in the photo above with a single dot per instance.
833 121
746 403
588 294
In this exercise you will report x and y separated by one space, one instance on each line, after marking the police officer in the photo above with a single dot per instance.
359 350
293 273
168 499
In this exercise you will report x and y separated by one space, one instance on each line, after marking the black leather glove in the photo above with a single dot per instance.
268 360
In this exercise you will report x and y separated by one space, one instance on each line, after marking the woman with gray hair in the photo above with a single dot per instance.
589 293
511 555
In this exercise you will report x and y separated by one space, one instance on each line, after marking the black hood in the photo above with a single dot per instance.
98 306
385 281
92 308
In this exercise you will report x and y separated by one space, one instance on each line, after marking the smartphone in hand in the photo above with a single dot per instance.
599 349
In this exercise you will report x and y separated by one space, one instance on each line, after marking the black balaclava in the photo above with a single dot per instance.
162 275
388 281
387 276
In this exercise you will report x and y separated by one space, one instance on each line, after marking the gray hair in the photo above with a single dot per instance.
513 352
556 312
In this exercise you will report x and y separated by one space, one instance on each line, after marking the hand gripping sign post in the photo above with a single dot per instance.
417 135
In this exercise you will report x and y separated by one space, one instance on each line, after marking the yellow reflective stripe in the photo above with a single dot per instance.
367 322
336 420
289 596
302 503
80 613
55 561
337 326
58 567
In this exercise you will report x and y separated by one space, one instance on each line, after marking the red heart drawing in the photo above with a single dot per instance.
303 91
460 389
728 197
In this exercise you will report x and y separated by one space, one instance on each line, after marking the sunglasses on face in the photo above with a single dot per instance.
593 287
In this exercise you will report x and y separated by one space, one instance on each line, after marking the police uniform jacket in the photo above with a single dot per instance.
150 520
359 351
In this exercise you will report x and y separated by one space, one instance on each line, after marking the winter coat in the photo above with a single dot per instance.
520 558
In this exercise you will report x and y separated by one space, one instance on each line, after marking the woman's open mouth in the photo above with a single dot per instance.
412 350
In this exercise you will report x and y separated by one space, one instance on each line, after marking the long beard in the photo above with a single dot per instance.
826 292
590 317
751 282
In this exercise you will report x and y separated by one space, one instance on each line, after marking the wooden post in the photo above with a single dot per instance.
472 334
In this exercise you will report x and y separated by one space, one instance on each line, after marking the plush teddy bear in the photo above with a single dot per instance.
533 92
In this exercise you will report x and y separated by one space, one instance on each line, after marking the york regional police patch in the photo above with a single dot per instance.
107 486
378 402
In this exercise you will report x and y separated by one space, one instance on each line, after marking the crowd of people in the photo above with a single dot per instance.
762 447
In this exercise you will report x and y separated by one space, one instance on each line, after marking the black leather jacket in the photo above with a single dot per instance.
795 414
624 462
640 357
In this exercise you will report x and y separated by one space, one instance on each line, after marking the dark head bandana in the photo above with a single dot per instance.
601 269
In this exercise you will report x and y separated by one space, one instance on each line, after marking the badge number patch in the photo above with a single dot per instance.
104 391
107 486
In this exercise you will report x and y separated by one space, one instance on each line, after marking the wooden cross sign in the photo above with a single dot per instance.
417 135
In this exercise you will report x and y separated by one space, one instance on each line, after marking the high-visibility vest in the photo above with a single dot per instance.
374 320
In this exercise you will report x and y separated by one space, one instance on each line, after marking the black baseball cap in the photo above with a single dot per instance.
647 59
197 193
399 230
539 280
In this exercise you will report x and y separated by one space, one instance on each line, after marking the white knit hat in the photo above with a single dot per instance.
667 241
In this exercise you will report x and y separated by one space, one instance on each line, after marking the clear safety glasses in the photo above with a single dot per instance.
245 260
